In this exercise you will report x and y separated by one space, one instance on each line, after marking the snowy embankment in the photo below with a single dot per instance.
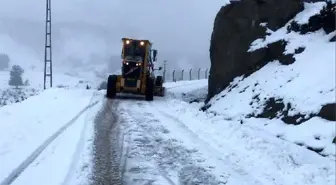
251 147
285 100
39 118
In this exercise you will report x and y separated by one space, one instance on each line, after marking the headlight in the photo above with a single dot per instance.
142 43
138 64
128 41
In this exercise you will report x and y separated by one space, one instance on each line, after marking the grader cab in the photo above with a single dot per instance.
137 71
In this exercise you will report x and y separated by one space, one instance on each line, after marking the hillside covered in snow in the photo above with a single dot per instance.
290 90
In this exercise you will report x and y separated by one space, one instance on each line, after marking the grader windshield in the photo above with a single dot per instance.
134 49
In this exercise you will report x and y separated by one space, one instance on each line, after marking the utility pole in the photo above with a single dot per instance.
48 49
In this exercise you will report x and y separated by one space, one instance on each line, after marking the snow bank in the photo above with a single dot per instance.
80 171
68 159
194 90
24 125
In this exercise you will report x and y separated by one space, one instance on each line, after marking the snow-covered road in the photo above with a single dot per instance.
168 141
163 151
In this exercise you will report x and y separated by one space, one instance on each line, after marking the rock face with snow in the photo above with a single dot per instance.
238 24
325 20
284 78
235 27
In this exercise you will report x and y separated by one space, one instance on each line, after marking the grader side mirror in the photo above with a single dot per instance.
154 54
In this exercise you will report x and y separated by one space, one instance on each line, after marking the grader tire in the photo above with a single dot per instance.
149 90
111 90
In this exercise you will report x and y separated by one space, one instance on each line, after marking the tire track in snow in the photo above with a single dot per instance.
125 150
124 154
106 159
239 172
156 152
23 166
80 145
161 171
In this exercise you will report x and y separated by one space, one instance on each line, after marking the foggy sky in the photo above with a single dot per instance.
179 29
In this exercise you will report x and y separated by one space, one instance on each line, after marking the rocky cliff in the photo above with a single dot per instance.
240 23
273 68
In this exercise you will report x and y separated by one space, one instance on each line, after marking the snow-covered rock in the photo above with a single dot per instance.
290 98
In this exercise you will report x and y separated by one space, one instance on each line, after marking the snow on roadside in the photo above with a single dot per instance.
316 132
259 152
179 85
80 171
55 160
62 161
187 90
25 125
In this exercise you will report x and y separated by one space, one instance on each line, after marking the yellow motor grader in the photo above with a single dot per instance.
137 71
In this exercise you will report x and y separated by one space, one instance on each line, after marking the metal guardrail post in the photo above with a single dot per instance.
190 74
198 73
182 74
174 80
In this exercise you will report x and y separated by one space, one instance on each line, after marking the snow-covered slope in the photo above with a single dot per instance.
39 118
290 96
